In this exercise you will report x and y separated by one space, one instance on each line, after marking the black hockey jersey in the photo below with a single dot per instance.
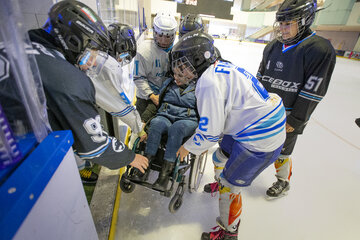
299 73
70 97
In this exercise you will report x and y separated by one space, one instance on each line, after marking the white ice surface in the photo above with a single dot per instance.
323 202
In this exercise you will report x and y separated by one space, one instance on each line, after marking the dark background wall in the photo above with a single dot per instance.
217 8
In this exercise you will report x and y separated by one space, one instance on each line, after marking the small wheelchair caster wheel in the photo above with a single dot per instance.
175 203
126 186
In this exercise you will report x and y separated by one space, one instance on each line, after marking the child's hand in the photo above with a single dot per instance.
182 153
142 135
155 99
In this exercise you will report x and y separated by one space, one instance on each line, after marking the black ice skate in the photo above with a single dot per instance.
88 176
278 189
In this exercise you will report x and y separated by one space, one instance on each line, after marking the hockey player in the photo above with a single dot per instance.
70 29
190 23
151 64
297 66
113 85
232 102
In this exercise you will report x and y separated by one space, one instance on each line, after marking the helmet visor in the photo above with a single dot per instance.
123 58
183 70
92 62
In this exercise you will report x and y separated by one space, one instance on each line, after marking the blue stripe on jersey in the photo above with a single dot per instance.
280 104
260 138
310 96
98 152
263 130
285 49
123 112
272 120
211 138
136 70
138 78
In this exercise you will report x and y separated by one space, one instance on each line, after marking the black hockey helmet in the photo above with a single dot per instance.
300 12
76 27
190 23
193 53
123 43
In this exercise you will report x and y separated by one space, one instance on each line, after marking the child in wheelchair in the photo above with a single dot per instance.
177 118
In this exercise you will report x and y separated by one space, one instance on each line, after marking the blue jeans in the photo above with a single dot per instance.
176 132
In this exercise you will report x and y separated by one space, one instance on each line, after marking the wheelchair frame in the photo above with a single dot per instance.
196 164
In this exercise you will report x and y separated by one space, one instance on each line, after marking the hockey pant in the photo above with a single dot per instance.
236 167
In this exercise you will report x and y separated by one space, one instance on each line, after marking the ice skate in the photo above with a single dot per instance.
88 176
211 187
279 189
220 233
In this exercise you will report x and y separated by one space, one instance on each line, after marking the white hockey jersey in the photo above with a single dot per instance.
151 65
231 101
114 91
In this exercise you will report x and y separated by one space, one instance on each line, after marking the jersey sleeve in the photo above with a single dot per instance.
319 65
262 65
91 141
211 108
140 76
261 69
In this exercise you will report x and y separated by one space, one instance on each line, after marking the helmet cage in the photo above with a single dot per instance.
168 35
198 48
303 16
183 70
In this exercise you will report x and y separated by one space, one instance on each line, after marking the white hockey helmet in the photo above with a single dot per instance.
164 29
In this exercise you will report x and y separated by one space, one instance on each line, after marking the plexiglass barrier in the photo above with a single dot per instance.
23 116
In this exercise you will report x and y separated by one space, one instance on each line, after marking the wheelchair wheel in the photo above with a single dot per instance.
126 186
197 171
175 203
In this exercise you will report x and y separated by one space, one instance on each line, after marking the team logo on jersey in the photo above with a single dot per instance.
279 66
282 84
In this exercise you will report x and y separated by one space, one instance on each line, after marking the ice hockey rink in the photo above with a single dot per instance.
323 202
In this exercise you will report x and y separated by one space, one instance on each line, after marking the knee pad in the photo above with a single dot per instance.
219 160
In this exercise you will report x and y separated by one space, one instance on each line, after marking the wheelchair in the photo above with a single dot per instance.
192 163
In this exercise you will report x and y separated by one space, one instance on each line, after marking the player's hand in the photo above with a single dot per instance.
182 153
143 136
140 162
155 99
289 128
